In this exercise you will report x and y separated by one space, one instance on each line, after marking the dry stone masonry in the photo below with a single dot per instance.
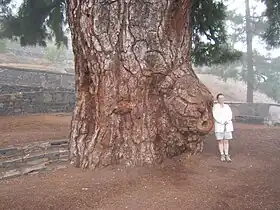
35 78
36 102
31 91
35 157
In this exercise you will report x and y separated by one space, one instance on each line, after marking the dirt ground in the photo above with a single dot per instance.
23 129
199 182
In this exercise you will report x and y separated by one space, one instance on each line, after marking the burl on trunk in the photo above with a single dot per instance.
138 100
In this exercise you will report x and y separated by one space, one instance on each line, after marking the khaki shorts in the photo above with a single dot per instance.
223 135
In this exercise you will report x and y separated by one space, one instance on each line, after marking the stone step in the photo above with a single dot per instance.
13 162
39 167
59 142
7 153
53 155
32 158
23 171
32 167
10 174
38 161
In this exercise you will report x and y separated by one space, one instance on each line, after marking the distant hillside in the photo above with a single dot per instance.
233 90
39 58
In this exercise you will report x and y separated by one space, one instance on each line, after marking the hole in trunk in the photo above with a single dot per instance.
205 124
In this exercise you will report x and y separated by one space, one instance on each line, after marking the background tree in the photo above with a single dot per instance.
251 67
266 73
137 97
246 28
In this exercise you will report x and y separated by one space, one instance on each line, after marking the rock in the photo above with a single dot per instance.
34 173
11 163
61 146
35 168
60 167
52 154
33 150
63 152
39 161
8 151
64 156
31 157
59 142
63 159
10 174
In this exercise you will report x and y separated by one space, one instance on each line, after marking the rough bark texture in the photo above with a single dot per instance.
138 99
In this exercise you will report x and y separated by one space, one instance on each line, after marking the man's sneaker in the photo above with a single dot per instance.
223 158
228 159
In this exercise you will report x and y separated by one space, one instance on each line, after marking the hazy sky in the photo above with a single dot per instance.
259 45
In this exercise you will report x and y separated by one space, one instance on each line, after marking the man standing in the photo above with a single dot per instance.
223 126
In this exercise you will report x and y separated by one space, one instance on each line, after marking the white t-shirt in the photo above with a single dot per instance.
222 114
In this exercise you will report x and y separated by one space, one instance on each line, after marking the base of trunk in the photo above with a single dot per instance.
147 126
138 99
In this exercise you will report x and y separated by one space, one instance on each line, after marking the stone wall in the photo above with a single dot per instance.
9 89
249 109
37 102
34 78
33 91
256 113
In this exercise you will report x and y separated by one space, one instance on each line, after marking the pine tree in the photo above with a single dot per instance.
138 99
245 29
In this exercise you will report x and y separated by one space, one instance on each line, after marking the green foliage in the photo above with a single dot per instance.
39 21
272 33
266 25
209 41
5 8
209 54
36 22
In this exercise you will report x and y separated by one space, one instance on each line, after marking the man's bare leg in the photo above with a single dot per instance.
221 149
226 150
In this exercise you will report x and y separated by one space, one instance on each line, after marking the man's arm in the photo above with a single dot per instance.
229 114
217 116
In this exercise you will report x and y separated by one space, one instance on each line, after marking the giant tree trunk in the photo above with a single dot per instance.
137 97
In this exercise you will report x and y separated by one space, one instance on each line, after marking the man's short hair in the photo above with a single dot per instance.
218 95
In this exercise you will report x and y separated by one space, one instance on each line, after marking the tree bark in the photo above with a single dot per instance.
138 100
250 65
